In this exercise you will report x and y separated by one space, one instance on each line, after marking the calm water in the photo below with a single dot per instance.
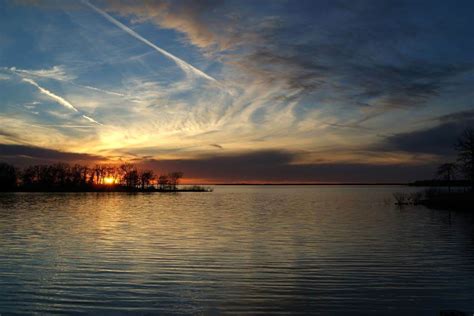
241 249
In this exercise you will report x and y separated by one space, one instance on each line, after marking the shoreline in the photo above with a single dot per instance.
107 189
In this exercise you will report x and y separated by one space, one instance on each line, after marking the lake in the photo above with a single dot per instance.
338 250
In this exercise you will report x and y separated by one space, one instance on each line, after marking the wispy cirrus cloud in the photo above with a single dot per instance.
307 61
55 72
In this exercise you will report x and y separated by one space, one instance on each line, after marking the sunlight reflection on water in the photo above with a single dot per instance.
240 249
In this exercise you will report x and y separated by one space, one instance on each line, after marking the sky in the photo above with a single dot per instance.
238 91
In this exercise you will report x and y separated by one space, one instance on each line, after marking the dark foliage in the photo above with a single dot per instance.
64 177
465 149
8 177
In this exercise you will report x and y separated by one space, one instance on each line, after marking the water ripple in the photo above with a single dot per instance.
240 250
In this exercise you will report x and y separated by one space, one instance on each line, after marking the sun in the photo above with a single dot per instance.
109 180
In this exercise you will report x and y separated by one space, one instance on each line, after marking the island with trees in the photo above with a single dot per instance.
62 177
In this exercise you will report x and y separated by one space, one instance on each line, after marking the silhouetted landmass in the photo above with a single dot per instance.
444 196
437 198
61 177
440 183
457 200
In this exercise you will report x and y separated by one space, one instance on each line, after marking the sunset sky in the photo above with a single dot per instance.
238 91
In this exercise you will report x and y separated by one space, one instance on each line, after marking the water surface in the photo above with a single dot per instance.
241 249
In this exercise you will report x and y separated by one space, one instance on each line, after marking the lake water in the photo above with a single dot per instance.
338 250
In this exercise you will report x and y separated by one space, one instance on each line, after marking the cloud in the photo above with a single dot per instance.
407 85
188 17
59 100
45 134
26 155
461 116
56 72
278 166
438 139
362 56
264 166
319 76
186 67
317 70
53 96
10 136
194 19
216 146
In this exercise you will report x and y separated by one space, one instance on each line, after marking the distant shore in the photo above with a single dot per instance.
305 183
113 188
441 183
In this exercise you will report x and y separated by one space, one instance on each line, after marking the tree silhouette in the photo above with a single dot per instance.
30 176
465 148
145 178
77 172
130 175
174 178
100 173
447 172
8 177
64 177
163 181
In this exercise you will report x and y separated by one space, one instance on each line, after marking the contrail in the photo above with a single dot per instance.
53 96
90 119
99 90
181 63
59 99
56 74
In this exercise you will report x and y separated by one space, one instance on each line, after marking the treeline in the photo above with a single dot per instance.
65 177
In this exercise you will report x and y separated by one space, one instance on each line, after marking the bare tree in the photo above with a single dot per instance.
447 172
465 148
145 178
163 182
174 179
76 175
61 173
130 175
100 173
